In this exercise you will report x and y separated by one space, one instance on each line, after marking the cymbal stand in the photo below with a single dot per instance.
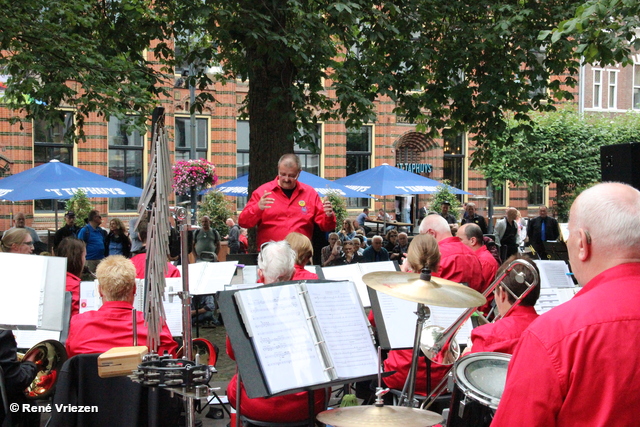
408 391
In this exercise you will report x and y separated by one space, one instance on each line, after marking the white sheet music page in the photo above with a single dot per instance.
281 336
344 328
22 286
554 274
399 320
207 278
352 273
445 316
553 297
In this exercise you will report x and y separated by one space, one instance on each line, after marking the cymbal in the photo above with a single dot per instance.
379 416
437 291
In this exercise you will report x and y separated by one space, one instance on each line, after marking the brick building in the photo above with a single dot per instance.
224 139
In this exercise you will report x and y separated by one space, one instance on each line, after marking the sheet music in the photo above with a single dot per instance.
445 316
344 328
27 339
89 296
207 278
554 274
553 297
351 273
354 273
399 320
281 337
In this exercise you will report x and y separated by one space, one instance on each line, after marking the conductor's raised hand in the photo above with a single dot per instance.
265 201
328 207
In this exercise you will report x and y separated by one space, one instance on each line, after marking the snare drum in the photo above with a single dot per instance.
479 380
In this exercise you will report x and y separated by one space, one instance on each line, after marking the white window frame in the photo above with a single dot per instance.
597 88
613 89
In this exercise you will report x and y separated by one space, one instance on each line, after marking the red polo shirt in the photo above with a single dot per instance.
298 213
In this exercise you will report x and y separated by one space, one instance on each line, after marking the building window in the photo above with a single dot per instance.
536 195
636 87
597 88
125 161
183 138
453 170
613 89
359 143
49 144
499 194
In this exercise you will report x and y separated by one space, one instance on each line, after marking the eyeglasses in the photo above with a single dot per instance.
28 243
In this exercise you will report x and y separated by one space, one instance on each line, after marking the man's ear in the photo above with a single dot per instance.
584 245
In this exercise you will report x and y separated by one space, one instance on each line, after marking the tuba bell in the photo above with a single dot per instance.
50 355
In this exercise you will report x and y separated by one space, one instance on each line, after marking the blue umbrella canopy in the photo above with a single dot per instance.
387 180
238 187
56 180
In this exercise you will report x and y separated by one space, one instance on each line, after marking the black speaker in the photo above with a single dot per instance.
621 163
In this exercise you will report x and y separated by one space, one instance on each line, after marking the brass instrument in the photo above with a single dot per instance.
50 355
441 347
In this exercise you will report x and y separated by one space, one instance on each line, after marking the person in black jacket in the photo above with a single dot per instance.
542 229
17 376
69 229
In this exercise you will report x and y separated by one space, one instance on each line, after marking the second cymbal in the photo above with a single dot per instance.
437 291
383 416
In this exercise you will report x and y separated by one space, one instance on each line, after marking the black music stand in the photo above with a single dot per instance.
556 251
249 366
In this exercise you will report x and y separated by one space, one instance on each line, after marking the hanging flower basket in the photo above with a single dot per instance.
199 173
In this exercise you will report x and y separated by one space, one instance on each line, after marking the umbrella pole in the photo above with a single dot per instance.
56 212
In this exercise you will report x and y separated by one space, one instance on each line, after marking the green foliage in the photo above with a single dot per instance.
339 208
444 194
560 148
470 61
85 55
79 203
218 209
605 31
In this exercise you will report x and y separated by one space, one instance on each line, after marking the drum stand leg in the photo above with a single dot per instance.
407 399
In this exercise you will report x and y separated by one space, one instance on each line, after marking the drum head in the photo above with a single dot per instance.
482 376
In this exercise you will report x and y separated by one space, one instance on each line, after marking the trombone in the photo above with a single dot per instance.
440 346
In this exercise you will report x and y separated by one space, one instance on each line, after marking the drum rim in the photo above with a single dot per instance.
470 390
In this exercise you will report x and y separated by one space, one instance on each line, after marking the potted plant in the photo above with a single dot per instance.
197 174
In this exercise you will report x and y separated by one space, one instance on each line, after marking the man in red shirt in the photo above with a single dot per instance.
503 335
471 235
111 326
458 263
577 364
285 205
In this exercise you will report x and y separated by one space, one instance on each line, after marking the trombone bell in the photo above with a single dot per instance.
429 345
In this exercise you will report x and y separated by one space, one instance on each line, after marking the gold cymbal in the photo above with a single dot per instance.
437 291
383 416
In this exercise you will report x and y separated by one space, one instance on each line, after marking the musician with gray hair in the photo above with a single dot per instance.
276 263
577 364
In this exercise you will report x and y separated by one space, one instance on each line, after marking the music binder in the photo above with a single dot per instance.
299 336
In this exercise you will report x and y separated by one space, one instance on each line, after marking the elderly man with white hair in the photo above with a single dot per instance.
577 364
276 263
457 262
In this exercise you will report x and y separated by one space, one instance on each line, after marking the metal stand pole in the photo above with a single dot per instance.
185 297
407 399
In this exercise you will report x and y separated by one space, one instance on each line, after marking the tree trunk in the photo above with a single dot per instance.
271 119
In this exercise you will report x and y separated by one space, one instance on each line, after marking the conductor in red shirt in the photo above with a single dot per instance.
285 205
